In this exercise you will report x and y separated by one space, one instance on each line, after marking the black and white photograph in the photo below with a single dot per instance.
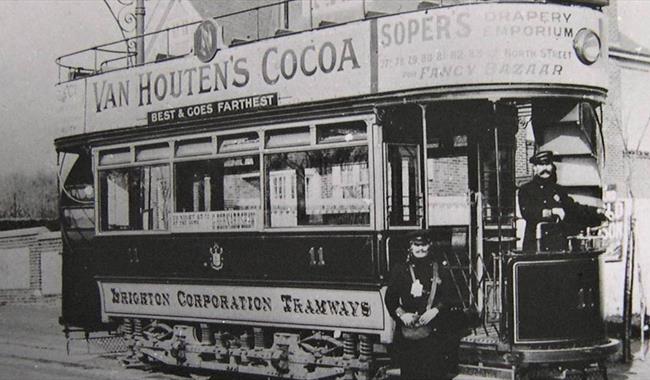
325 189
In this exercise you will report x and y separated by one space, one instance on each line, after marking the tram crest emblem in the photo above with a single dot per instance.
216 257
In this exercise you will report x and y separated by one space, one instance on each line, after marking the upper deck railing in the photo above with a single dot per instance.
241 27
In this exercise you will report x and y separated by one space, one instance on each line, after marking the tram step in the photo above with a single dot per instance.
466 372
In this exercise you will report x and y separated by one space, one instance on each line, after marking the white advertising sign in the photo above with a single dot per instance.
210 221
488 44
302 68
69 115
495 44
246 304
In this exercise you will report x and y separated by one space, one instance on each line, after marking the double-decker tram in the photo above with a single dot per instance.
239 211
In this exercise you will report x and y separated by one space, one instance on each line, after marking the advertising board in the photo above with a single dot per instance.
501 45
487 44
333 308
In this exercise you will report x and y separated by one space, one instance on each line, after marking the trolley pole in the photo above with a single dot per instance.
139 32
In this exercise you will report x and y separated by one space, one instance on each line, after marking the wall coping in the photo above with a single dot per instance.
23 232
49 235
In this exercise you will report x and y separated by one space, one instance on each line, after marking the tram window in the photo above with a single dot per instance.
218 184
318 187
152 152
134 199
115 156
238 143
194 147
288 137
78 187
403 186
341 132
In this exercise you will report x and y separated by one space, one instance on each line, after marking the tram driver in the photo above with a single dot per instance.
551 214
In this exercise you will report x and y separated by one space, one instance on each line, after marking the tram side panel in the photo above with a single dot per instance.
259 258
555 299
80 297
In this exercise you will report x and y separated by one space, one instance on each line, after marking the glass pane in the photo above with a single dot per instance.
287 137
196 147
238 143
219 184
322 187
116 156
78 184
218 194
152 152
403 185
135 198
342 132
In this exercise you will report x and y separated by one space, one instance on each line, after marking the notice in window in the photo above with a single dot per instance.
213 221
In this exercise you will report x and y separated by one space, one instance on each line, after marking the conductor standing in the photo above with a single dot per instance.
542 200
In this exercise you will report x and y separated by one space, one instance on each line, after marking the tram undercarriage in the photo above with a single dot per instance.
206 349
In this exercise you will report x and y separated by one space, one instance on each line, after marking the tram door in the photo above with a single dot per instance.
404 196
450 213
470 193
403 189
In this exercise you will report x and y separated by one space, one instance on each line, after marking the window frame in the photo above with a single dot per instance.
133 163
261 150
419 190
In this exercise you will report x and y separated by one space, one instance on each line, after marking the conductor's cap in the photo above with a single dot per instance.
420 237
543 157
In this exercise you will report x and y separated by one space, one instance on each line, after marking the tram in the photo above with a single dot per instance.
237 208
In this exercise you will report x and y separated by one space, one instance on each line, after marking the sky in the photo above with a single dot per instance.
33 33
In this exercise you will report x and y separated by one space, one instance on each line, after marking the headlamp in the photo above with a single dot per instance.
587 46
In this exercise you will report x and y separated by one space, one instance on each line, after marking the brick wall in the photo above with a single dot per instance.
20 263
524 150
448 176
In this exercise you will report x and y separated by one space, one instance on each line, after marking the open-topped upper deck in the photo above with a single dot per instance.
294 55
245 24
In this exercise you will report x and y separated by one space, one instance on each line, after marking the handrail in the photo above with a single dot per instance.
69 61
126 54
